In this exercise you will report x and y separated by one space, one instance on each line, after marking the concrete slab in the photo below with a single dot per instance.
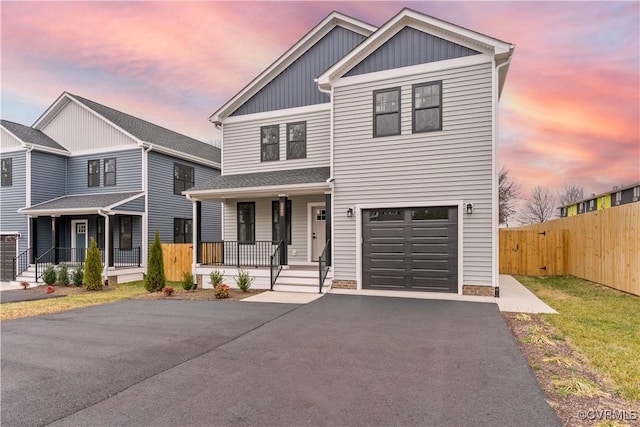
283 297
414 295
515 297
8 286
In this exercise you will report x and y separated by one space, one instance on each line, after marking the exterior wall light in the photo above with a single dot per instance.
350 213
469 208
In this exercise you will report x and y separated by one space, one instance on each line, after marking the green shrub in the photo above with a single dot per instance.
155 279
243 280
216 277
93 268
63 275
187 281
76 277
221 291
49 275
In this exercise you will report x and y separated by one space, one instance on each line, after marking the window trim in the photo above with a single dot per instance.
183 222
95 174
253 223
7 180
121 233
183 181
275 208
105 173
277 143
376 114
289 126
414 109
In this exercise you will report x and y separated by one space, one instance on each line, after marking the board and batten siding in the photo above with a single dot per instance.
48 176
76 128
299 219
452 164
128 172
164 206
242 146
13 198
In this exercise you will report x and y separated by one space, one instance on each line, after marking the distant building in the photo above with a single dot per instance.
616 197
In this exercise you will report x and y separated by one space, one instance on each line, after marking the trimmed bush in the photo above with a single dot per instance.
49 275
167 291
221 291
243 280
76 277
155 279
93 268
24 284
187 281
50 289
63 275
216 277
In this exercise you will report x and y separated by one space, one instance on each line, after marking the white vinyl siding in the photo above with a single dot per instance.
452 164
241 146
7 140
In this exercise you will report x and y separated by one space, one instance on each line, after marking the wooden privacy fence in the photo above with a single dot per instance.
533 252
177 258
601 246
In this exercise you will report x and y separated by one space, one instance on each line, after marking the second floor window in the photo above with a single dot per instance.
427 107
297 140
93 173
126 241
247 222
386 112
7 172
182 230
109 171
183 178
270 143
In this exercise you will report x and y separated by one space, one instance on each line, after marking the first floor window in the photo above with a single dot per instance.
275 221
7 172
427 107
183 178
386 112
125 233
110 171
246 222
93 173
182 230
297 140
100 232
270 143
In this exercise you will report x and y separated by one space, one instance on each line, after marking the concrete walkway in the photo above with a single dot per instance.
516 298
284 297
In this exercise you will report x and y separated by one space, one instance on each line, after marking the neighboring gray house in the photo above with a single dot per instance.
84 170
374 149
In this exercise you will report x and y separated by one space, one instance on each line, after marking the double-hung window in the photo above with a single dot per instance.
183 178
386 112
270 143
427 107
7 172
110 171
182 230
126 243
246 222
297 140
275 221
93 173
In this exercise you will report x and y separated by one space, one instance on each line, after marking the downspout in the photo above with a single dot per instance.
145 189
107 245
494 219
27 194
331 179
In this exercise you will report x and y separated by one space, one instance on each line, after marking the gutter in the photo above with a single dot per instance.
329 92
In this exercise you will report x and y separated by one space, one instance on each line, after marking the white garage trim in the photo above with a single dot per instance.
409 204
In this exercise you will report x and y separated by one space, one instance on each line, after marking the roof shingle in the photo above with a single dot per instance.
30 135
264 179
82 201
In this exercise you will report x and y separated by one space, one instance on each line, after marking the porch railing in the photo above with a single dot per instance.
274 264
21 263
125 257
76 257
323 266
239 254
44 261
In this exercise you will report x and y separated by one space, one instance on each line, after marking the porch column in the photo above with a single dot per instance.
33 239
282 225
198 225
54 239
108 243
327 207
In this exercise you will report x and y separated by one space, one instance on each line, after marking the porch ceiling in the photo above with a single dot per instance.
81 204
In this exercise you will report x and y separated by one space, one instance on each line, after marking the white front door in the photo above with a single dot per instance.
79 239
318 231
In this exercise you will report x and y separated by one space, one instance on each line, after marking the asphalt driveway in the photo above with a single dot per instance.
341 360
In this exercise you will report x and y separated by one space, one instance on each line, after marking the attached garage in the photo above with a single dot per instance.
413 249
7 253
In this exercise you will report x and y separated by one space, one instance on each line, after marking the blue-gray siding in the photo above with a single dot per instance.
13 198
136 205
410 47
128 172
294 87
48 176
164 206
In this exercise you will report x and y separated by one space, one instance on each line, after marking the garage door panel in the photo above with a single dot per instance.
387 281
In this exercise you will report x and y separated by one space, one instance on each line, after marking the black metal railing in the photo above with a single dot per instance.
274 263
323 266
43 261
239 254
21 263
76 257
126 257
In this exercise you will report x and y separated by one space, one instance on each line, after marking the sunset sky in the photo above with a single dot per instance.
570 110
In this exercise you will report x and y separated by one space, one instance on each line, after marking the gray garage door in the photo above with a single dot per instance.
7 253
410 249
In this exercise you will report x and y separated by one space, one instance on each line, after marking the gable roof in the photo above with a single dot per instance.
31 136
289 57
147 133
406 17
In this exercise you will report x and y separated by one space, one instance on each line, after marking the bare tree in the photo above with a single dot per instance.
508 193
570 193
539 206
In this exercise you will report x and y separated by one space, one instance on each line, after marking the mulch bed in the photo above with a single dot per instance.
201 295
63 290
572 409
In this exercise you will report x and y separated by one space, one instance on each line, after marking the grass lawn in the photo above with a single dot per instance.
602 323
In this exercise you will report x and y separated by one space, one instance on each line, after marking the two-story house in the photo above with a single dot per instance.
373 150
84 170
617 196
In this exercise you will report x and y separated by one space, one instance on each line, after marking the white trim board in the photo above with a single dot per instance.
308 109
